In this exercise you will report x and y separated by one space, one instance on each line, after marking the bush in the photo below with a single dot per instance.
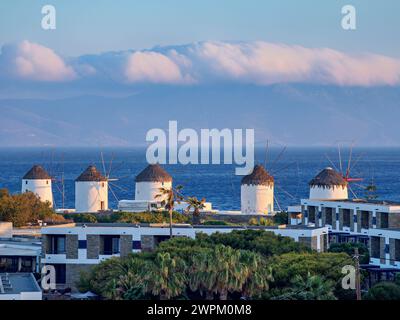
349 249
264 242
384 291
127 217
281 218
215 223
21 209
288 266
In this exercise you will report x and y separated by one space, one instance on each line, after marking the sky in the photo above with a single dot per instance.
159 56
85 28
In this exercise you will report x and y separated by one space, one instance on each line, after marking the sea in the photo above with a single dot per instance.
292 168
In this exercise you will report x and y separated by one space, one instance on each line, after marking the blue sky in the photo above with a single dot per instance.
134 60
83 27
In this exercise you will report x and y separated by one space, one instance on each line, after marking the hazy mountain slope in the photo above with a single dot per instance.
293 115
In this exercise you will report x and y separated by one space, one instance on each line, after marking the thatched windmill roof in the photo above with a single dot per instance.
91 174
36 173
259 176
328 178
153 173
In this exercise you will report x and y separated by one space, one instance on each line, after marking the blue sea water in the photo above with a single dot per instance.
292 169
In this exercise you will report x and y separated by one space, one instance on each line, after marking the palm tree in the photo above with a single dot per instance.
313 287
216 271
196 205
257 274
171 196
165 277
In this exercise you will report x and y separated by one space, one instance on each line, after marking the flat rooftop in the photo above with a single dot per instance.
149 225
19 282
362 201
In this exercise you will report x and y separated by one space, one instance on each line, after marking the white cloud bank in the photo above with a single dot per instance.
154 67
259 62
31 61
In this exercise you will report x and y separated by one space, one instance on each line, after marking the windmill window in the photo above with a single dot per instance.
47 181
102 184
26 182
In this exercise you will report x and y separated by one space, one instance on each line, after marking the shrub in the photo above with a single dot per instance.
384 291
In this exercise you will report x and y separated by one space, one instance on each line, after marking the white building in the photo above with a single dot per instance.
150 181
91 191
328 185
74 249
257 192
38 181
19 286
373 222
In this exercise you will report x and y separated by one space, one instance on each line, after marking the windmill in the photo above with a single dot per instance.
360 179
262 189
279 170
112 180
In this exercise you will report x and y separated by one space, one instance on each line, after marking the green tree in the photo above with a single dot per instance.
196 205
222 270
349 247
172 195
310 287
165 277
384 291
281 217
258 274
287 266
21 209
261 241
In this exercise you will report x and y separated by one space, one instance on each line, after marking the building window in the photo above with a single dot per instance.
346 217
365 219
375 247
109 245
397 250
57 244
311 214
60 269
329 216
26 181
27 264
384 220
82 244
136 245
102 206
8 264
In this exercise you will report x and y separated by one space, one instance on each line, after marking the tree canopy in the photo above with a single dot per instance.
21 209
220 266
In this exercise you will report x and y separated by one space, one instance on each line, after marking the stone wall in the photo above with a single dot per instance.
147 242
93 246
73 273
45 245
71 246
392 249
340 219
125 245
394 220
382 250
